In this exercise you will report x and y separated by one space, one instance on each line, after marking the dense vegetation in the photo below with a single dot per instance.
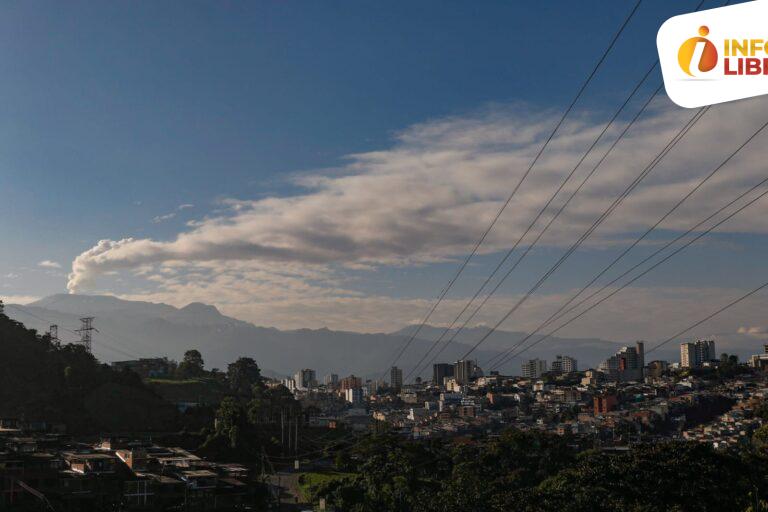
530 472
44 381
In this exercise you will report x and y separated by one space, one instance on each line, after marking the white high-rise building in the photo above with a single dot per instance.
534 368
564 364
693 355
305 379
354 396
290 384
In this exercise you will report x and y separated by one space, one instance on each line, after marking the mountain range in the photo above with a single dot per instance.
131 329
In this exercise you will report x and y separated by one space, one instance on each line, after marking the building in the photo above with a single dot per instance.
626 364
117 474
452 385
564 364
605 403
354 396
657 368
396 378
693 355
534 368
592 378
290 384
463 371
331 380
305 379
759 361
372 387
440 371
350 382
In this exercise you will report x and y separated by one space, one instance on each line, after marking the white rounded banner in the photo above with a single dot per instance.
716 55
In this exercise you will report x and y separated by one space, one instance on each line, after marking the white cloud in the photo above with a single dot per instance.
49 264
162 218
168 216
11 275
427 198
753 331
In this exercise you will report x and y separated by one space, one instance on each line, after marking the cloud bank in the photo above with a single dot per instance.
428 197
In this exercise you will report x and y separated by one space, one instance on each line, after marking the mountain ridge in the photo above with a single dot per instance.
146 329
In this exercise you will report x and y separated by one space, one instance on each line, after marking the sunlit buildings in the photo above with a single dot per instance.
693 355
626 364
564 364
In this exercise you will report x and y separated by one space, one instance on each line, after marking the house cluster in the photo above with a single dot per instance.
623 400
734 427
51 471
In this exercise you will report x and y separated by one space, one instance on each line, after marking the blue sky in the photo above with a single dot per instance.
129 120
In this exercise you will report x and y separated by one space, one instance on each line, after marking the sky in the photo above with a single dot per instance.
315 164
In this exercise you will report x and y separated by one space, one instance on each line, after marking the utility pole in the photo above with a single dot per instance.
86 332
296 436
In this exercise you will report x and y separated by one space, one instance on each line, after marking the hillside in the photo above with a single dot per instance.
41 380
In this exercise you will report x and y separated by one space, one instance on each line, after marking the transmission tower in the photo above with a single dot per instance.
86 332
53 332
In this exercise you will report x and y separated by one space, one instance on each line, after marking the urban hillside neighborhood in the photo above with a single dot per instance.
158 434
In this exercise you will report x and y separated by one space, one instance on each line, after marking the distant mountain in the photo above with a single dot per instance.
501 340
132 328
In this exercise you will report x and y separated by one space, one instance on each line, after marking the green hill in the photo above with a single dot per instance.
44 381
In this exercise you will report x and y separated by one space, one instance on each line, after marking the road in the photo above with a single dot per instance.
290 495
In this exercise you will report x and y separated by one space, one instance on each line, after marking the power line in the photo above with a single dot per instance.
709 317
546 227
652 165
666 258
568 110
417 369
562 311
655 265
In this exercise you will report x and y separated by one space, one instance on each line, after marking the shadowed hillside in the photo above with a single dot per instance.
44 381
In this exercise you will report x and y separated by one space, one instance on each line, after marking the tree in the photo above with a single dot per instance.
243 375
760 438
192 365
42 380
